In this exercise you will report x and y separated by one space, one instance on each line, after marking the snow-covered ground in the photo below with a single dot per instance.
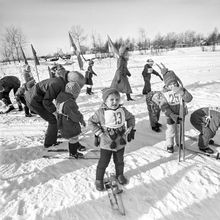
159 186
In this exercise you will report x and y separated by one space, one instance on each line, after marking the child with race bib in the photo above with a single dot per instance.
169 101
114 125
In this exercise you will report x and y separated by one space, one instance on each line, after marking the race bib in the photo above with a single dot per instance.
172 98
150 70
114 118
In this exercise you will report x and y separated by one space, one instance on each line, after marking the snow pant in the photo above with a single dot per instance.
147 87
20 99
172 133
154 114
51 132
105 157
199 123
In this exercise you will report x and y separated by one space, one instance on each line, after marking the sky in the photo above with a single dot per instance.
46 23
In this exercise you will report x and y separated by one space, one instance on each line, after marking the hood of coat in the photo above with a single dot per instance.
64 96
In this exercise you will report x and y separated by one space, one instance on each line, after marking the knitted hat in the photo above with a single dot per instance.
91 62
107 91
75 76
169 77
150 62
73 88
26 68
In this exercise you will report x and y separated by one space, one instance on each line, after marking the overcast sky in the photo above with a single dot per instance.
46 23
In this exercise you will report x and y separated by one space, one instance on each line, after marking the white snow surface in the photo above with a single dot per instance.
160 187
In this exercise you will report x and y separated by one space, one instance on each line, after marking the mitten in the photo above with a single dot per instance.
131 135
113 145
97 141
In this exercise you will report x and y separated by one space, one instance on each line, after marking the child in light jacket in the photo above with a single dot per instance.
170 101
112 123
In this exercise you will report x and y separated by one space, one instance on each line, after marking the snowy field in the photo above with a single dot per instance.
160 187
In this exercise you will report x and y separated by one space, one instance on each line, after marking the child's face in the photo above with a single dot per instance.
172 85
113 101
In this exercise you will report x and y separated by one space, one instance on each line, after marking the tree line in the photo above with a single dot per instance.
13 38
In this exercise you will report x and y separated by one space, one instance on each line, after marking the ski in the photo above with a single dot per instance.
68 157
216 156
196 139
114 193
94 154
57 150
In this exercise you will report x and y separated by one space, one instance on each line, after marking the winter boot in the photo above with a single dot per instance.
99 185
170 149
81 147
129 97
87 91
207 150
158 124
156 129
122 180
73 151
10 108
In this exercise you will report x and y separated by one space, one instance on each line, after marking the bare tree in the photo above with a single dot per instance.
12 39
78 35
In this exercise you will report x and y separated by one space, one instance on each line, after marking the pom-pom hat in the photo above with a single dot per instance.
107 91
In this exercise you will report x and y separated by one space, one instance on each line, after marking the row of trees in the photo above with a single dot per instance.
14 38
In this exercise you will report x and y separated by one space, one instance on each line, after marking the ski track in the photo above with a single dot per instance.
160 187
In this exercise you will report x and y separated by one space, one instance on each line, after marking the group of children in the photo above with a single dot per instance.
112 124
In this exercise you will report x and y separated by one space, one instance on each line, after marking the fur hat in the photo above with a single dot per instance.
107 91
73 88
169 77
122 50
75 76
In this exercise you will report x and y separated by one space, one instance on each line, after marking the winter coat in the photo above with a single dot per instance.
8 83
88 76
44 92
97 123
69 116
148 70
206 118
171 108
120 80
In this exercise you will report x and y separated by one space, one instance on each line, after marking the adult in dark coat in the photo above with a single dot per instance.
120 80
88 77
40 99
206 121
147 72
7 84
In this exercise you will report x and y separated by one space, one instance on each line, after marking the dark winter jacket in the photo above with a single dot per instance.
97 123
120 80
8 83
206 117
44 92
69 116
88 76
171 108
148 70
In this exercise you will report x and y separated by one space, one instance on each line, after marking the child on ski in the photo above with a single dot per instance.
111 123
88 77
207 121
147 72
169 101
154 112
70 118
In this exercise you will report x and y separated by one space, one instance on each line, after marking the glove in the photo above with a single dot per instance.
83 123
131 135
